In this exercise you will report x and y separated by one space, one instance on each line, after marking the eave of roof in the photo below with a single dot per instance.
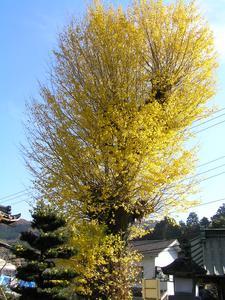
183 266
154 247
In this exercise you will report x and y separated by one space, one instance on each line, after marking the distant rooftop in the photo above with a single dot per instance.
154 247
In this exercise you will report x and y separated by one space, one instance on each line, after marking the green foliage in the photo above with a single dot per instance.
169 229
165 229
192 227
192 220
204 222
218 220
47 241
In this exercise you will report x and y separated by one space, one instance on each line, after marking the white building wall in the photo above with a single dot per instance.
170 288
148 263
166 257
163 259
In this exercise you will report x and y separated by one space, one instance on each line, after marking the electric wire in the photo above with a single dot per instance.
210 177
14 194
15 197
201 204
204 179
206 203
213 113
23 200
26 191
195 132
211 161
204 172
210 120
10 200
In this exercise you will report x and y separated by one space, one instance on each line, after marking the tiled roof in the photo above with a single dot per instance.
153 247
208 250
184 266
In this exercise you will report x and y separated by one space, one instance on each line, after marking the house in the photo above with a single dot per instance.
208 250
156 254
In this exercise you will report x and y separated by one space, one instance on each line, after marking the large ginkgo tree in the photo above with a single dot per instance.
106 142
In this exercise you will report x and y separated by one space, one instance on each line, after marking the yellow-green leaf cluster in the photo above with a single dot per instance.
127 86
107 141
107 267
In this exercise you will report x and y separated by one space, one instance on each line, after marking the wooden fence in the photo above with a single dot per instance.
151 289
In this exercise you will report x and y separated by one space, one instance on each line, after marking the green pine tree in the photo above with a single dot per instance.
218 220
45 243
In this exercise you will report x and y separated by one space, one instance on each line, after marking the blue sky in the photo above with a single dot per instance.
28 31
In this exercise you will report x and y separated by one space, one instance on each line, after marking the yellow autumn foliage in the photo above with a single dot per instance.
107 268
107 141
108 138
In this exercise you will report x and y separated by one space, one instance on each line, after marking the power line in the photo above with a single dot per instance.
209 202
25 191
209 127
198 174
24 200
219 110
14 194
203 204
207 178
197 182
197 205
204 179
15 197
209 170
20 201
213 113
210 120
211 161
10 200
